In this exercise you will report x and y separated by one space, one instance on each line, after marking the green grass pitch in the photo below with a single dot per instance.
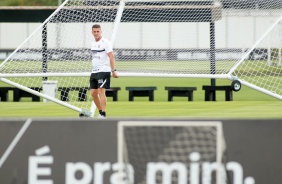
247 103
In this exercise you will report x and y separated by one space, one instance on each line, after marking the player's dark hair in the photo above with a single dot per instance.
96 26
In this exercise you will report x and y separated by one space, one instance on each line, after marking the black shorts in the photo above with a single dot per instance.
100 80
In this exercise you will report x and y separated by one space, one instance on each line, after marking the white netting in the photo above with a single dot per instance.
185 145
153 37
262 67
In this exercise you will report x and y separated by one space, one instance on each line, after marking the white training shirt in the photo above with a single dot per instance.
100 58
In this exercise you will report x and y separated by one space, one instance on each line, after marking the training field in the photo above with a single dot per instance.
247 103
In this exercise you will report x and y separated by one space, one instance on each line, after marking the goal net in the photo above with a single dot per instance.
166 38
171 152
261 66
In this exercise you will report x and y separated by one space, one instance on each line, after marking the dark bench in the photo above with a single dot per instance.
4 93
113 92
211 90
18 94
180 91
141 91
82 93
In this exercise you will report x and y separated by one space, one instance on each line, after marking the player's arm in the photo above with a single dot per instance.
112 63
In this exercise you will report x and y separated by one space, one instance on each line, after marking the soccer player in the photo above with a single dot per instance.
103 65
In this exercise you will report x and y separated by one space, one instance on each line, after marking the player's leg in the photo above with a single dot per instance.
96 98
94 91
103 84
103 100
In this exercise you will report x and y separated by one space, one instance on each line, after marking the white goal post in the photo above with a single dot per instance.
172 152
157 38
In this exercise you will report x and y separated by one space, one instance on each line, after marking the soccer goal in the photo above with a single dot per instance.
169 152
236 40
